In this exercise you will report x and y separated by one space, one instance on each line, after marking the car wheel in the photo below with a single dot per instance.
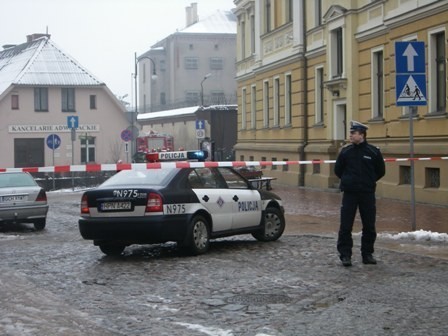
272 227
112 250
39 224
198 239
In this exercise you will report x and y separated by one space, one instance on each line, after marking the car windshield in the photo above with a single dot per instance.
156 177
16 180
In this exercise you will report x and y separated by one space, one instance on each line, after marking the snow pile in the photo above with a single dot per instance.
420 235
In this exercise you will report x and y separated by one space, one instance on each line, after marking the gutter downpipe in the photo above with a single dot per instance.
302 153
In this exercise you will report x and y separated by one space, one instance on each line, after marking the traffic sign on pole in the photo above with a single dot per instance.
72 121
53 141
410 83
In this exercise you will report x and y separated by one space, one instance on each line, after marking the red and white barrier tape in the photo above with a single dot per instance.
184 164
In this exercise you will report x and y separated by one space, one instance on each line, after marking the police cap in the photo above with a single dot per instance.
357 126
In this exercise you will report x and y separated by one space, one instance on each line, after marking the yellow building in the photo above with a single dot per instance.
306 68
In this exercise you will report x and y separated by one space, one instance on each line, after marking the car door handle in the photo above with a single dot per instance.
205 198
235 198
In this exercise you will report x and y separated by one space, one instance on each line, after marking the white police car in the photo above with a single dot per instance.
186 203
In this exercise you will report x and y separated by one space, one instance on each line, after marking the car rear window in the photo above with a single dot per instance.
16 180
156 177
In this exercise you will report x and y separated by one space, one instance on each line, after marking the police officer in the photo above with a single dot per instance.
359 166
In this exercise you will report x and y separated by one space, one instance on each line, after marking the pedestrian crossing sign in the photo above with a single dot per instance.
410 84
411 90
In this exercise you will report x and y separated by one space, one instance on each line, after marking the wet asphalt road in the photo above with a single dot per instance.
54 283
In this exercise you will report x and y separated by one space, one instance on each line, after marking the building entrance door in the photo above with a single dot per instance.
29 152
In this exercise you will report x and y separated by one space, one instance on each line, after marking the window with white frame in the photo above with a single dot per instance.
253 106
276 102
289 10
243 108
266 104
191 63
87 149
377 84
319 98
337 53
216 63
243 39
317 13
438 73
267 16
252 34
288 99
192 97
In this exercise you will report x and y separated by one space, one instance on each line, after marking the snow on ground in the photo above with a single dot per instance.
420 235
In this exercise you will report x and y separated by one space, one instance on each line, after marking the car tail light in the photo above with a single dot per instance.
84 205
154 203
42 196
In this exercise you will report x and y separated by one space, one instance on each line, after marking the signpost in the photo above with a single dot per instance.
410 86
126 136
53 142
200 131
73 124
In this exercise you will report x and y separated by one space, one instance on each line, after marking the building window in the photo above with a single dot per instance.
41 99
432 178
191 46
319 98
263 159
162 65
274 167
288 99
93 102
216 63
243 39
276 102
266 104
438 73
217 97
378 84
243 108
405 175
253 106
318 12
191 63
337 50
192 97
316 167
289 10
252 34
15 102
162 98
68 99
267 16
87 149
285 167
241 157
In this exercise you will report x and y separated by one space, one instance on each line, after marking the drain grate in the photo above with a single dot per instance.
259 299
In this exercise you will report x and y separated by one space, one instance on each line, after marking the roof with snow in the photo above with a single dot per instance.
41 62
220 22
184 111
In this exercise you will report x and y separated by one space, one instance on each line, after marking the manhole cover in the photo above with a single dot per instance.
259 299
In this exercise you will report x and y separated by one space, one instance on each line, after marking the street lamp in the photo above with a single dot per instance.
202 88
134 114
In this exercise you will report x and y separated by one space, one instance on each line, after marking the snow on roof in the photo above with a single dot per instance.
41 62
220 22
169 113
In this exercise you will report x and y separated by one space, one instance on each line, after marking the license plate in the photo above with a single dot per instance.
115 206
14 198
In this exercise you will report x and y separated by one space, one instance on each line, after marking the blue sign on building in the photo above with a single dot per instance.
53 141
72 121
410 82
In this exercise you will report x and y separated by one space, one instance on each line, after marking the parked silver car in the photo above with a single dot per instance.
22 200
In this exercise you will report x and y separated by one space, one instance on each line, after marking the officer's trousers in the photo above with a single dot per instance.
366 203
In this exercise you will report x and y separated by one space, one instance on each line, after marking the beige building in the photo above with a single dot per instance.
306 68
44 93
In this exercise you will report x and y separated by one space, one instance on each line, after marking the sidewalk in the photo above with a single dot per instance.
310 211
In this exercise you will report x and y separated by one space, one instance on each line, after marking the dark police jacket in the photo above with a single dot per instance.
359 167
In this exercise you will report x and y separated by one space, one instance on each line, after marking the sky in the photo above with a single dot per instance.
102 35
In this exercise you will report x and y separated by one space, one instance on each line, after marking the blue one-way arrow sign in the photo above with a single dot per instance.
200 124
410 83
72 121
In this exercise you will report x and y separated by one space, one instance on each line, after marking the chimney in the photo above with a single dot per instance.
192 14
35 36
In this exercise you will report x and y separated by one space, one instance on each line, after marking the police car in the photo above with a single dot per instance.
188 203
